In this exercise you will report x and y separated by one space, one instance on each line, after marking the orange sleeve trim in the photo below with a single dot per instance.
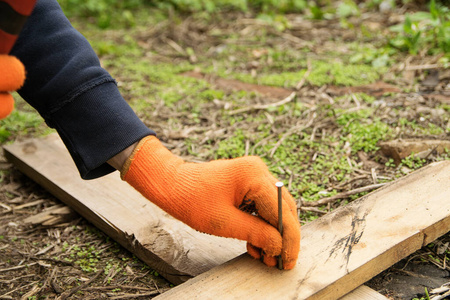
6 42
23 7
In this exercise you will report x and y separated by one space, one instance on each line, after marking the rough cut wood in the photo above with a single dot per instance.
339 251
175 250
342 249
364 293
402 148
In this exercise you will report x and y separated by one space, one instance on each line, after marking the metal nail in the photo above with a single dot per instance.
279 185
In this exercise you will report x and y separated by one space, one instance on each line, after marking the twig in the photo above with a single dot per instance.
127 296
67 263
261 142
36 289
175 46
289 132
20 287
17 267
305 76
112 287
443 296
29 204
313 209
264 106
421 67
8 208
72 291
31 293
324 201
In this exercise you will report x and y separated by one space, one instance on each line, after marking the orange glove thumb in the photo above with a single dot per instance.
234 198
12 77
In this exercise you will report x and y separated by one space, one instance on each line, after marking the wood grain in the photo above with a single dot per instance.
175 250
364 293
340 251
343 249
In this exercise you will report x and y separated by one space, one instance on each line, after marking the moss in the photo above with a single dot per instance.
338 73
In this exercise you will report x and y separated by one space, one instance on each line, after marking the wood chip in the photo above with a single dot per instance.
402 148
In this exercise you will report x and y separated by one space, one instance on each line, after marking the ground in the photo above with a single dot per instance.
222 86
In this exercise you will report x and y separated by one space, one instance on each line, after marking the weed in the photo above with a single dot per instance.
413 162
430 29
390 163
231 147
347 8
19 123
86 257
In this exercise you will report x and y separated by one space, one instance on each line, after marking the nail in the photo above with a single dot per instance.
279 185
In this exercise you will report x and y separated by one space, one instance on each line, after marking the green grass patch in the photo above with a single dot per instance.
23 121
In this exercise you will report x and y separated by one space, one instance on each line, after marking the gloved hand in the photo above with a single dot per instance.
211 198
12 77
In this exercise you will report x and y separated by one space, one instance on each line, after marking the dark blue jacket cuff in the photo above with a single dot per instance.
96 126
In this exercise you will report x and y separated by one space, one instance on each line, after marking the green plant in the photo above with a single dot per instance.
347 8
390 163
86 257
413 162
431 29
18 123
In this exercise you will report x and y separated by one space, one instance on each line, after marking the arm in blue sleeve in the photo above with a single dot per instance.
73 93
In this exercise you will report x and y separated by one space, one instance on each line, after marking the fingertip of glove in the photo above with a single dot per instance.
270 261
254 252
6 104
289 265
14 77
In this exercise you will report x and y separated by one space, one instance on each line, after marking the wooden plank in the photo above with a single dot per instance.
364 293
175 250
343 249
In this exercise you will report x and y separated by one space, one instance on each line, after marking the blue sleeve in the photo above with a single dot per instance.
73 93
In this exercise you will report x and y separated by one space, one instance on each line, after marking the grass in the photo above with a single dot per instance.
23 121
315 161
150 81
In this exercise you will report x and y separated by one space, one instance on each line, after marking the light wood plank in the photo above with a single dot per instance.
364 293
175 250
140 227
343 249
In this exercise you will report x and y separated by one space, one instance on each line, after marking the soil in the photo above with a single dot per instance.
65 257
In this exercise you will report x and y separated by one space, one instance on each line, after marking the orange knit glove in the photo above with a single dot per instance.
211 198
12 77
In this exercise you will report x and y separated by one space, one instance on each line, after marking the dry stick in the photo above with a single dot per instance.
72 291
443 296
264 106
112 287
261 142
289 132
305 76
342 195
20 287
421 67
313 209
31 293
29 204
36 289
17 267
127 296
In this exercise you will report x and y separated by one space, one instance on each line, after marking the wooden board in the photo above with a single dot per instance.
364 293
175 250
343 249
179 252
